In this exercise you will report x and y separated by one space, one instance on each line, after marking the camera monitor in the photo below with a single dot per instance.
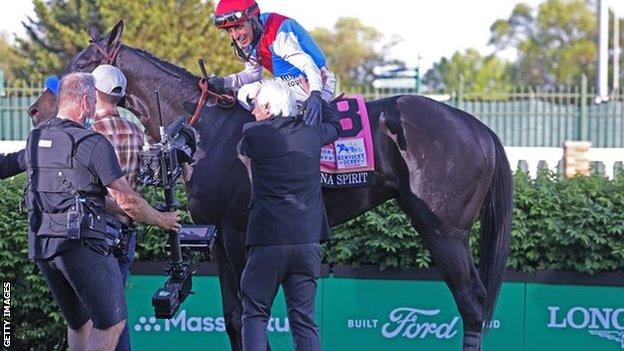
197 237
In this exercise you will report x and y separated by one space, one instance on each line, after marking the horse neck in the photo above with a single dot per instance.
147 74
179 93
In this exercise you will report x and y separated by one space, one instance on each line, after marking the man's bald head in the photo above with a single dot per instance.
77 96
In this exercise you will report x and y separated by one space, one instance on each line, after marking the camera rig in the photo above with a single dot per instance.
160 166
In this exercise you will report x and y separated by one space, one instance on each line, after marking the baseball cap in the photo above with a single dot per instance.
52 84
109 80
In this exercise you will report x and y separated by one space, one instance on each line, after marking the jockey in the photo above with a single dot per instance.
282 47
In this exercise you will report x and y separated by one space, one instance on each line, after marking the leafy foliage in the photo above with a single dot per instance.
555 44
571 224
481 74
351 49
37 323
59 32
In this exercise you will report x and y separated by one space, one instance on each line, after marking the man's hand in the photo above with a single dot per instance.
313 109
217 84
170 221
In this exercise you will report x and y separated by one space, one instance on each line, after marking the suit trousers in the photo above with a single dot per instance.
295 268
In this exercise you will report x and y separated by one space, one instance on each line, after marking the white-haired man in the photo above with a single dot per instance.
287 217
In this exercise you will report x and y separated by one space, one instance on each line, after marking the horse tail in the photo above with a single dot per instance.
496 215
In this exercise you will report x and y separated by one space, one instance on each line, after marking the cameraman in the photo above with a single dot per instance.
127 141
70 234
287 216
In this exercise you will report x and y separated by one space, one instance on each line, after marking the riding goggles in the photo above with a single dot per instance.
233 17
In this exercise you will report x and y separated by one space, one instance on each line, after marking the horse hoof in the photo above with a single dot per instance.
472 341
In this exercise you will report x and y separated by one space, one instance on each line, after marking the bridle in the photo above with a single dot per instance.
108 57
223 100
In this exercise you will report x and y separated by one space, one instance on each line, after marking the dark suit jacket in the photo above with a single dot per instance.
12 164
287 203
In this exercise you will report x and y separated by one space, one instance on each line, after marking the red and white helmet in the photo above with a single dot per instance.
233 12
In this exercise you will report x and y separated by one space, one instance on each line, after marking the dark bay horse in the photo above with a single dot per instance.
443 166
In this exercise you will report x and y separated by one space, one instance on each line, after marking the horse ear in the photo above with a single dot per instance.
113 38
94 32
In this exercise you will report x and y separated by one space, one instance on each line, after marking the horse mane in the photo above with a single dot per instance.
163 65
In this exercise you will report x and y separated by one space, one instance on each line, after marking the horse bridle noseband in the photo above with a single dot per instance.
223 100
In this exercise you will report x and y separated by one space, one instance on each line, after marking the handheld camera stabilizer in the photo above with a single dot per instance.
161 166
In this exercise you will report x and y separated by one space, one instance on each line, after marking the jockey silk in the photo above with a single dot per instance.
285 49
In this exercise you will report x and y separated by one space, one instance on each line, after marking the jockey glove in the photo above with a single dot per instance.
217 84
313 109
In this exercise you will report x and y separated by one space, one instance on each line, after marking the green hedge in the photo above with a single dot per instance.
561 224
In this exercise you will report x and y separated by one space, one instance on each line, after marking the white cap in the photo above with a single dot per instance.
108 78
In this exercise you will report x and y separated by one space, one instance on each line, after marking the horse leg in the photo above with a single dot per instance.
229 255
452 256
450 250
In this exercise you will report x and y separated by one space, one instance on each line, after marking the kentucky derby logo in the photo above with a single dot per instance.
607 323
350 153
416 323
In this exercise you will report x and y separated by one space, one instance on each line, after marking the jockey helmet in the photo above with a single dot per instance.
233 12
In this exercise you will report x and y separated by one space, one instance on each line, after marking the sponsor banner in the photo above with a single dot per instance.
374 314
574 317
367 314
199 323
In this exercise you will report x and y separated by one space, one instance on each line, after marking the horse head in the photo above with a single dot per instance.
44 108
145 74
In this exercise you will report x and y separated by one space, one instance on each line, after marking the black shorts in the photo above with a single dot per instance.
86 284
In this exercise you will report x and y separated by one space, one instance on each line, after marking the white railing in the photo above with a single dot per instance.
7 146
531 155
553 155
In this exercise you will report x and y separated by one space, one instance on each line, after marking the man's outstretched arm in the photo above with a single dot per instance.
12 164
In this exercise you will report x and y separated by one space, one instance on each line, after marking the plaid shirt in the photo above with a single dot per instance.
126 138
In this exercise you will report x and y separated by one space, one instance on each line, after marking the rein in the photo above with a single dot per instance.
223 100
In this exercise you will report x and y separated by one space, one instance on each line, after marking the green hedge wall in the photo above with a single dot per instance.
560 224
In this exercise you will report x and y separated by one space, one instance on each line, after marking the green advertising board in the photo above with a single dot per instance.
199 323
363 314
382 314
574 317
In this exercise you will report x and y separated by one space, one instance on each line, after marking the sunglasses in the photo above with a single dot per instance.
233 17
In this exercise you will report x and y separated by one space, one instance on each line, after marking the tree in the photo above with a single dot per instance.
10 57
481 74
180 31
351 50
555 46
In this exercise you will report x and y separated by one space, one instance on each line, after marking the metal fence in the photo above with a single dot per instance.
538 117
525 117
14 103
